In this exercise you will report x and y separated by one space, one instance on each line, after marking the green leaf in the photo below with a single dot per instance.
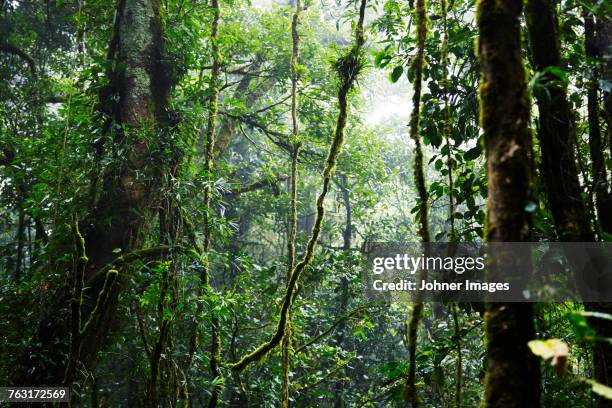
558 72
473 153
381 59
396 73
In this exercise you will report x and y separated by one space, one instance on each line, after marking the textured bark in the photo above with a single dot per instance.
512 377
604 46
136 100
557 136
556 130
458 345
603 352
411 394
204 249
603 198
447 125
215 329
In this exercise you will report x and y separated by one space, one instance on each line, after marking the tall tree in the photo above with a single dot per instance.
136 101
603 196
512 377
557 137
556 130
295 153
213 107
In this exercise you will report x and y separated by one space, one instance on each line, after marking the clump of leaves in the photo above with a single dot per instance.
350 66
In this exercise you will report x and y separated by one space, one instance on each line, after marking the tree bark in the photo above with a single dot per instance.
287 347
136 100
556 130
512 377
344 282
557 136
411 395
603 198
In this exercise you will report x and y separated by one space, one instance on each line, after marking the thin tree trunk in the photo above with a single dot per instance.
209 154
344 282
512 378
287 337
446 126
603 198
458 345
215 340
411 395
20 243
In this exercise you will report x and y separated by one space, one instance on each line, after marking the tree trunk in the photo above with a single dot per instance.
137 101
557 136
287 347
556 130
411 395
603 198
512 377
344 282
604 46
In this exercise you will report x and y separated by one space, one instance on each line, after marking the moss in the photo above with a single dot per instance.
138 45
209 154
411 394
347 77
109 280
504 116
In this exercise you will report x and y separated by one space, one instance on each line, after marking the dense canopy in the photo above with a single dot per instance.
189 188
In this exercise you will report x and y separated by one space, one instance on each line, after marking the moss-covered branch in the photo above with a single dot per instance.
348 68
411 394
358 310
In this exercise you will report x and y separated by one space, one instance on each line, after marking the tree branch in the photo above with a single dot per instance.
328 331
13 50
255 185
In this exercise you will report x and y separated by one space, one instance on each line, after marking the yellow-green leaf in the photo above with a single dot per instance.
600 389
548 348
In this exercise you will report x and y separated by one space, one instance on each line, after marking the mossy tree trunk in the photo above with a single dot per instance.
411 395
136 102
512 377
604 46
556 130
287 347
343 289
